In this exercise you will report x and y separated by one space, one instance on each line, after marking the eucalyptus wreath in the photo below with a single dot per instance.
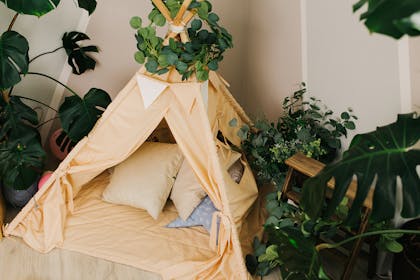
204 51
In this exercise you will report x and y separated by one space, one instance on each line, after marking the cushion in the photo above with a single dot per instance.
236 171
201 216
145 179
187 192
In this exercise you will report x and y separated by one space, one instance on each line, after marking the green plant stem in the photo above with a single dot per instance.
39 102
323 246
12 22
44 123
45 53
55 80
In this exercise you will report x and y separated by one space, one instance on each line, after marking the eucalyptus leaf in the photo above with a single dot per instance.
14 58
135 22
385 153
79 115
78 57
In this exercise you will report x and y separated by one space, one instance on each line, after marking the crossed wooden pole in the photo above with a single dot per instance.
177 25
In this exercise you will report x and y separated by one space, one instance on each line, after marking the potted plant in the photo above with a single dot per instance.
21 152
389 152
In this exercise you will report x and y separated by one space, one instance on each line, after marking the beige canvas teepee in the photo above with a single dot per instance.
68 211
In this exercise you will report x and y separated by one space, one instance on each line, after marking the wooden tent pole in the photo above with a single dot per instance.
181 12
188 18
163 9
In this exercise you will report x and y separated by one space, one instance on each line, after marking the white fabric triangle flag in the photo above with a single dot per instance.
150 89
205 93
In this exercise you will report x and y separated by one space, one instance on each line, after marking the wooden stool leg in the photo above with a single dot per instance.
356 247
287 183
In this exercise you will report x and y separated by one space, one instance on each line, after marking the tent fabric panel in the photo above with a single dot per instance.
40 226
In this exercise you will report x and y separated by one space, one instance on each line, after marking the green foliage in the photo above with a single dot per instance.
79 115
21 152
41 7
78 58
391 17
13 58
88 5
32 7
386 153
305 127
199 56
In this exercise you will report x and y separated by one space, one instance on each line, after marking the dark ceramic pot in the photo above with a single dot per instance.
19 198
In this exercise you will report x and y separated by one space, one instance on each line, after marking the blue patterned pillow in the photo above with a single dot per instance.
201 216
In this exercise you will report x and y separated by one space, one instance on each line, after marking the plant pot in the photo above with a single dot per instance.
19 198
60 144
407 263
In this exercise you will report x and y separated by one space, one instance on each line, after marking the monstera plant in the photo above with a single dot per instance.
376 159
21 152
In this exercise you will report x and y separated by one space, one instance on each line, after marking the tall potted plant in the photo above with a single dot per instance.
21 152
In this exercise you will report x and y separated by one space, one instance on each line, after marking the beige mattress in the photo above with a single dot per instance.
129 235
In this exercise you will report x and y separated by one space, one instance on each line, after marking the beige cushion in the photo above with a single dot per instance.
145 179
187 192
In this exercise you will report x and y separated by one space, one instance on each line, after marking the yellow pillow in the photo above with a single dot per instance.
187 192
145 179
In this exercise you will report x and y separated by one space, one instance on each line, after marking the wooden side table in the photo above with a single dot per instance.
300 164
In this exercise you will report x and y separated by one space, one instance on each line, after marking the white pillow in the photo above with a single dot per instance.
145 179
187 192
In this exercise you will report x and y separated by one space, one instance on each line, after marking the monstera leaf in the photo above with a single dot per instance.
78 59
391 17
15 115
88 5
41 7
78 116
13 58
31 7
384 155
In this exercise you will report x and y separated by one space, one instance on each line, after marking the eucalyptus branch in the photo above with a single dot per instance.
39 102
12 22
55 80
45 53
323 246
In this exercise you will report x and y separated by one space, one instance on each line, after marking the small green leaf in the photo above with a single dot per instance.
202 75
394 247
196 24
213 18
345 116
135 22
181 66
213 65
152 65
159 20
139 57
203 11
350 125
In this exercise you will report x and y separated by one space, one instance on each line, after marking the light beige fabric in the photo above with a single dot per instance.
187 192
145 179
44 223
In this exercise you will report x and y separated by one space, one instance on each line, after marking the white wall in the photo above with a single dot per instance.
274 68
43 34
348 67
415 72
